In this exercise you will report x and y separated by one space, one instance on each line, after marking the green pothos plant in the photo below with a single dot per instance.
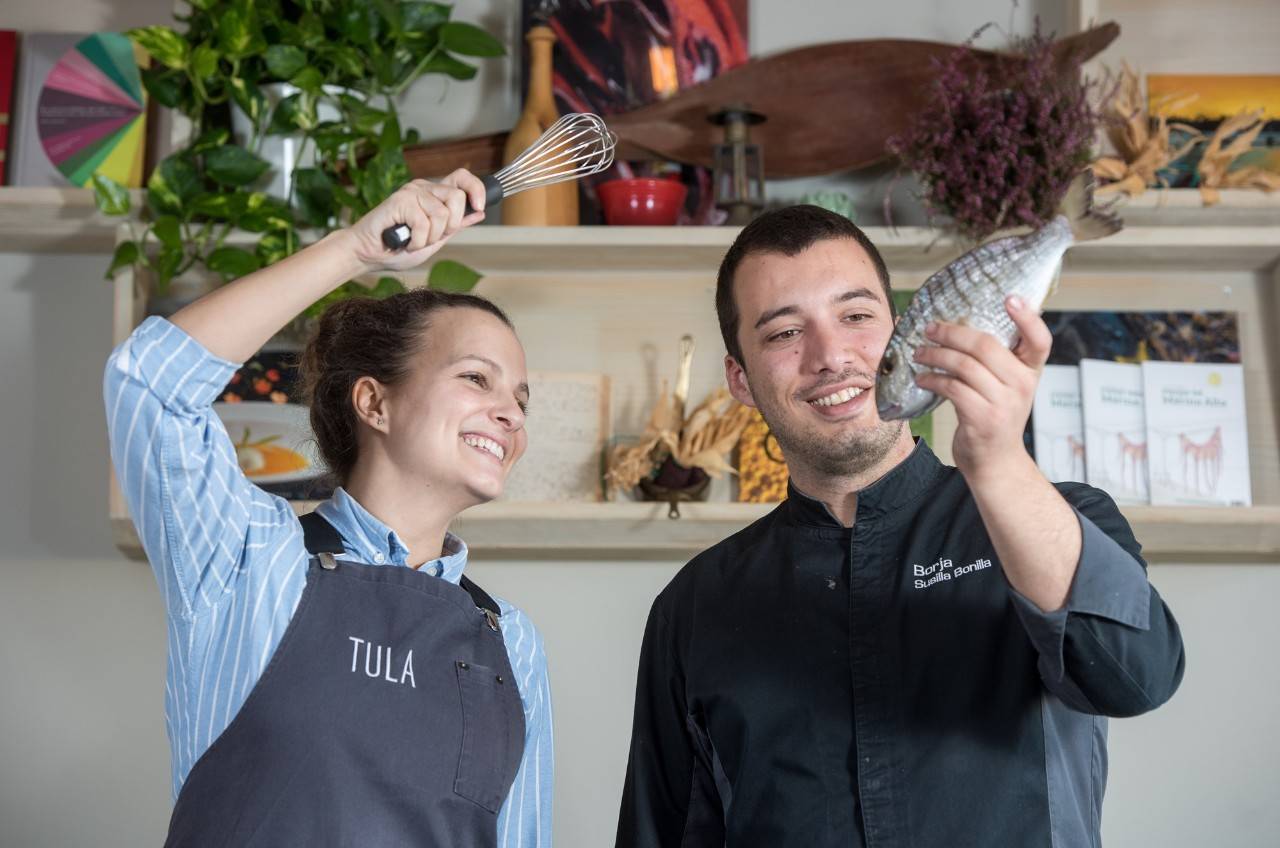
355 56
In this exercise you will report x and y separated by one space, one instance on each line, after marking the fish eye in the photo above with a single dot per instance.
887 364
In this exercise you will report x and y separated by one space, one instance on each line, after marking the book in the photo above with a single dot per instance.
1058 424
1115 429
81 109
1197 433
8 62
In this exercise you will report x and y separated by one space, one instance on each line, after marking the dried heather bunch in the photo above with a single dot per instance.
997 148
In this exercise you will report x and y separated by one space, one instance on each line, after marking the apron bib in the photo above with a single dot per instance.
388 716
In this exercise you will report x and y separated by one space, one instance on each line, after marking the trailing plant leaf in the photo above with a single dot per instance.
165 46
283 60
469 40
226 207
313 192
126 253
293 113
204 62
238 33
249 98
233 166
423 17
168 231
166 265
309 80
169 87
385 287
451 276
232 262
271 248
442 63
173 185
211 138
110 197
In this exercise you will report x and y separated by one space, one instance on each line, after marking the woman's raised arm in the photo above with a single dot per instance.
234 321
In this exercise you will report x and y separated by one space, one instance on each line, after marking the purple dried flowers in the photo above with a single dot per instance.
998 145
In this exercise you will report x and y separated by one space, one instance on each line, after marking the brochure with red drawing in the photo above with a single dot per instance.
1058 426
1196 432
1115 429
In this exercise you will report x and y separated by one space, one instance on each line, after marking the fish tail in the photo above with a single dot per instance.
1086 221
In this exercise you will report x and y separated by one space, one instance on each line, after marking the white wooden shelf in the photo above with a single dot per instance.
635 530
1245 238
547 250
55 220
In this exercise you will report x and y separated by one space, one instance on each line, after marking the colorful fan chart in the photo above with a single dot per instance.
92 112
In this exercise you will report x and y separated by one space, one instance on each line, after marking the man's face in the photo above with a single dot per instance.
812 329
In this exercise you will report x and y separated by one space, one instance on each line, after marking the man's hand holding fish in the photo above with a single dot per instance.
1035 531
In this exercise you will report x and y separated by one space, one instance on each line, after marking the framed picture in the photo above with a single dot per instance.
261 407
613 57
1203 101
569 425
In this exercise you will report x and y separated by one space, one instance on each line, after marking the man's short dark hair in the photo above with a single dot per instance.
789 231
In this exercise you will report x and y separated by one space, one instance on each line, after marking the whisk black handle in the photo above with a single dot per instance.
396 237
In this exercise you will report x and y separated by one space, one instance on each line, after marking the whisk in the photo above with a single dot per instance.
576 145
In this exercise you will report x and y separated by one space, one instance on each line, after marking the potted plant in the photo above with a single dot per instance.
325 73
996 148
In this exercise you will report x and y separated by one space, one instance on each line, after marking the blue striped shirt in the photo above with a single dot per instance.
231 563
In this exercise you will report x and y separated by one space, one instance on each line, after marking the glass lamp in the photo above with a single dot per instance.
739 166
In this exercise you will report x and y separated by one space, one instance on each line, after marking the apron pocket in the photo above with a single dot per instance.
482 775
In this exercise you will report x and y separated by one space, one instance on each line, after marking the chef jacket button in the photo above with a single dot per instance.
499 678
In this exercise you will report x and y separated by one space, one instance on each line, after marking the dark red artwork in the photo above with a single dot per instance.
612 56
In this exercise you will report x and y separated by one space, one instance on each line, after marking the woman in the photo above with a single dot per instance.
336 681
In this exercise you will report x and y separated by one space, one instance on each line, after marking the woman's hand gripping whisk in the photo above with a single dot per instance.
576 145
431 211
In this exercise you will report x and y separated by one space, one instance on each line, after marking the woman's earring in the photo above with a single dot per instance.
379 421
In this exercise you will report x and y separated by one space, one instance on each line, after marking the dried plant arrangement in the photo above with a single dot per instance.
700 442
1141 142
997 147
1233 138
678 454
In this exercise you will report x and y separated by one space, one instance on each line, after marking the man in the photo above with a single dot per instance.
902 653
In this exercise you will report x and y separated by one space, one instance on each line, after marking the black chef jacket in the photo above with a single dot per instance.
802 683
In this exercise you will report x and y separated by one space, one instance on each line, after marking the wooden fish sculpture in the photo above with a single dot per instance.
830 107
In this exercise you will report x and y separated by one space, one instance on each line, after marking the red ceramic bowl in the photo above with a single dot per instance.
641 202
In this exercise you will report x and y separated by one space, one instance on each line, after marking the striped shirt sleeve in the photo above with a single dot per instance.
525 818
193 508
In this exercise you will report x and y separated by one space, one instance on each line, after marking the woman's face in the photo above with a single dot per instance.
457 421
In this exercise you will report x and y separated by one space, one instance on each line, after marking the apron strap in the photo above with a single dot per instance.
320 537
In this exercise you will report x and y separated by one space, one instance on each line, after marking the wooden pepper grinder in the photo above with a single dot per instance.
553 205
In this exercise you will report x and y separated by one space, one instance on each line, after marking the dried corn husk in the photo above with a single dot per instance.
703 440
711 433
1219 154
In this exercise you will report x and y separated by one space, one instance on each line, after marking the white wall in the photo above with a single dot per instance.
83 758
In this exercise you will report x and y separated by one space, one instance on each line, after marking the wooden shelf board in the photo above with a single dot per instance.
55 220
635 530
908 249
37 220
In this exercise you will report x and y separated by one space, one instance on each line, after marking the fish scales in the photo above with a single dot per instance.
972 291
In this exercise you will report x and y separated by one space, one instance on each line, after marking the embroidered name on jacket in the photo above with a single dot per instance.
378 662
943 570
